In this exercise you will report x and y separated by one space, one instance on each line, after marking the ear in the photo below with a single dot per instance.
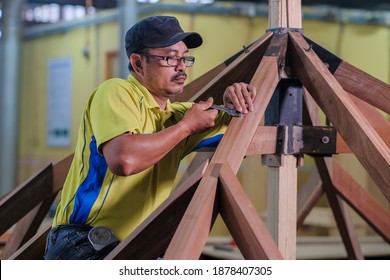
136 63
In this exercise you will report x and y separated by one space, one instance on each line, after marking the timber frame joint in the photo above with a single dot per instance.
284 30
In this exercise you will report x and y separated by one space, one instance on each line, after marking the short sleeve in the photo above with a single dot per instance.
114 110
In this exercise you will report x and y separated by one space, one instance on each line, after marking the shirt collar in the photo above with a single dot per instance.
149 100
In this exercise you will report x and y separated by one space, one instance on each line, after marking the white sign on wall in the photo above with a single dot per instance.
59 95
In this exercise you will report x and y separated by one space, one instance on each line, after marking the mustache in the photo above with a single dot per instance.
179 75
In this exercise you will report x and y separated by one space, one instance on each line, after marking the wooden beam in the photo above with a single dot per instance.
374 117
282 205
243 221
362 201
354 80
151 238
308 196
34 248
364 86
193 230
366 144
342 217
28 226
198 160
264 141
25 198
338 207
285 14
241 130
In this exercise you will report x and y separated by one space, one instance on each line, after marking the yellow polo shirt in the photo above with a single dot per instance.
92 194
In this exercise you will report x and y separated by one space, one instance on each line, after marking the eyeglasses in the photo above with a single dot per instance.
173 60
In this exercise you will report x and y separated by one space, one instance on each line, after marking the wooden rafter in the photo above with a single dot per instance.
363 86
357 132
240 217
137 245
362 201
342 217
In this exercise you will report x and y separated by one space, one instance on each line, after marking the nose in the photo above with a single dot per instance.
181 64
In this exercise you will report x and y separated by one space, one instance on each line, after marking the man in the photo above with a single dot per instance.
131 141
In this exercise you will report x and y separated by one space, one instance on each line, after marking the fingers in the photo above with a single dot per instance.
199 117
240 96
206 104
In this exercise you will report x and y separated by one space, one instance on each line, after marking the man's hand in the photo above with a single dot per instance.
240 96
199 117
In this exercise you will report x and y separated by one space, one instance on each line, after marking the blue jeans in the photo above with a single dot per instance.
70 242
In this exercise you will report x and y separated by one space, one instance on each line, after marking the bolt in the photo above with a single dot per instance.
325 139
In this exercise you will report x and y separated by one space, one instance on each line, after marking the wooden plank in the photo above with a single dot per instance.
342 217
34 248
151 238
284 14
294 13
27 227
362 201
282 205
198 160
264 141
337 205
312 190
25 197
277 15
374 117
193 230
364 86
343 148
310 110
308 196
241 130
366 144
243 221
372 114
354 80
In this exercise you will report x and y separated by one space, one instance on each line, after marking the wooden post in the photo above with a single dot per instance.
285 14
282 202
282 172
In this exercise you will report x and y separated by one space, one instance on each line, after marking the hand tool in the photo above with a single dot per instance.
231 112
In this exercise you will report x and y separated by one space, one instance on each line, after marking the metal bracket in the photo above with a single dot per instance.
311 140
284 30
319 140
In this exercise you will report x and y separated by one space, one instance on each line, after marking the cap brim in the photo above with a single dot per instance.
191 39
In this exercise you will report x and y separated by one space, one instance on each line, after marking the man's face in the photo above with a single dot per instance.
163 76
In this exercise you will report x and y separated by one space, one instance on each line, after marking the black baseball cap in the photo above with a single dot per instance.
158 32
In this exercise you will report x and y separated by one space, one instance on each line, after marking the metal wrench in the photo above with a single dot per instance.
231 112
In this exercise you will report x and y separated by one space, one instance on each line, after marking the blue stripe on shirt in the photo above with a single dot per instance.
89 190
209 142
